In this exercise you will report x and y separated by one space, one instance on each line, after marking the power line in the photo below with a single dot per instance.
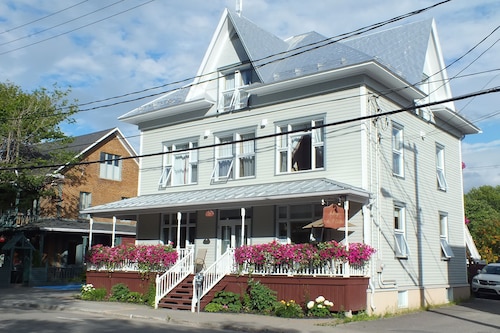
60 24
78 28
42 18
376 115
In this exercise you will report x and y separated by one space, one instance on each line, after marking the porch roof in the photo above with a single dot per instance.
286 192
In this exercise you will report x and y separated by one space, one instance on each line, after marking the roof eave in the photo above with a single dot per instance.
198 104
370 68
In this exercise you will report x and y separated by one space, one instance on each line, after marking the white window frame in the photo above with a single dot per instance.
173 152
440 168
401 248
169 228
397 150
286 145
231 96
85 202
110 166
234 153
447 252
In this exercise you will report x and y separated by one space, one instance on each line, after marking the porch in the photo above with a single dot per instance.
183 288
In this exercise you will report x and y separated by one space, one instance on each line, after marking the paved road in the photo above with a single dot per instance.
42 310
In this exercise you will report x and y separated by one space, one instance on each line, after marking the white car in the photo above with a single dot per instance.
487 281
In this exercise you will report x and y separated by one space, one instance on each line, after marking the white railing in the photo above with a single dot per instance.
212 275
178 272
334 268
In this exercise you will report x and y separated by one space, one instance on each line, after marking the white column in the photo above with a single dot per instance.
179 216
90 232
113 233
243 226
346 222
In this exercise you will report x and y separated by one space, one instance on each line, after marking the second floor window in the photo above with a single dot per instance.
301 150
85 201
235 158
110 166
401 245
397 150
180 164
441 179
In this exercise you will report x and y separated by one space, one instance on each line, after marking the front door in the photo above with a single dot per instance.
229 234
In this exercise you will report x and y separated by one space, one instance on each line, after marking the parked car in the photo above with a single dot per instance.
487 281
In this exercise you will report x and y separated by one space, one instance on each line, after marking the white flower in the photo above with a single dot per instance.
320 299
328 303
310 304
320 306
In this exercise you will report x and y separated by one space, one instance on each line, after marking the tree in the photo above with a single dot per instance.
28 122
482 209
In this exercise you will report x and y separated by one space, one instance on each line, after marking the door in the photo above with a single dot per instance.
229 234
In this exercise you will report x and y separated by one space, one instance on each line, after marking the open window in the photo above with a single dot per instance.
180 164
441 178
443 237
232 96
301 147
401 248
234 157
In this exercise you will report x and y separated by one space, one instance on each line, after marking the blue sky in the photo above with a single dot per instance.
110 48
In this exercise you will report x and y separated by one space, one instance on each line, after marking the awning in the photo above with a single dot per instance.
319 224
227 197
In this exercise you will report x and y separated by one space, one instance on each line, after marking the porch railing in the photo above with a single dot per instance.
334 268
212 275
178 272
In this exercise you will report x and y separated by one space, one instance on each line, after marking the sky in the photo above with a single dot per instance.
116 55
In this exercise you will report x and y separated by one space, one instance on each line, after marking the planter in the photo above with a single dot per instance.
135 281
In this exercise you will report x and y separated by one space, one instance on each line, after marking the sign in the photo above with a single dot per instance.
333 217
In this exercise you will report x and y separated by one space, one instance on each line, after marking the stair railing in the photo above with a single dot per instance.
212 275
178 272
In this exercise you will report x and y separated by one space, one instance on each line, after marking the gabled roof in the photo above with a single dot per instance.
82 144
254 195
400 50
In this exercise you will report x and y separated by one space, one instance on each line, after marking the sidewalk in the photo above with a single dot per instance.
65 300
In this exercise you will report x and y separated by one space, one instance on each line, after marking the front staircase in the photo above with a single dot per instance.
180 297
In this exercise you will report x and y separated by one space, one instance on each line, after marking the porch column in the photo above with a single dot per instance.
179 216
113 233
346 236
243 226
90 232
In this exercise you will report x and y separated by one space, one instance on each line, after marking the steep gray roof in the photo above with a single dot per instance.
401 50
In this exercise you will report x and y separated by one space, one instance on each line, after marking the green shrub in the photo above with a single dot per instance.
261 298
119 293
135 297
150 296
320 307
213 307
225 301
288 309
89 293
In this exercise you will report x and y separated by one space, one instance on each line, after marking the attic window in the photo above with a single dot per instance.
232 96
110 166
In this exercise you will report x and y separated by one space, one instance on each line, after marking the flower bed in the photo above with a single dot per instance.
142 258
327 257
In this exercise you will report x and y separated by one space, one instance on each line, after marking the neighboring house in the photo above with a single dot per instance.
270 130
56 228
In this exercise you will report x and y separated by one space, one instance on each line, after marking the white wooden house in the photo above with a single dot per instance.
270 130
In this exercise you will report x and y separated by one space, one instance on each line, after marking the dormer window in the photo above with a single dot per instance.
232 96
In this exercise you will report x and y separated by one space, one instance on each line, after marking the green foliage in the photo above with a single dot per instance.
320 307
261 298
482 209
150 295
119 293
225 301
288 309
28 119
135 297
89 293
